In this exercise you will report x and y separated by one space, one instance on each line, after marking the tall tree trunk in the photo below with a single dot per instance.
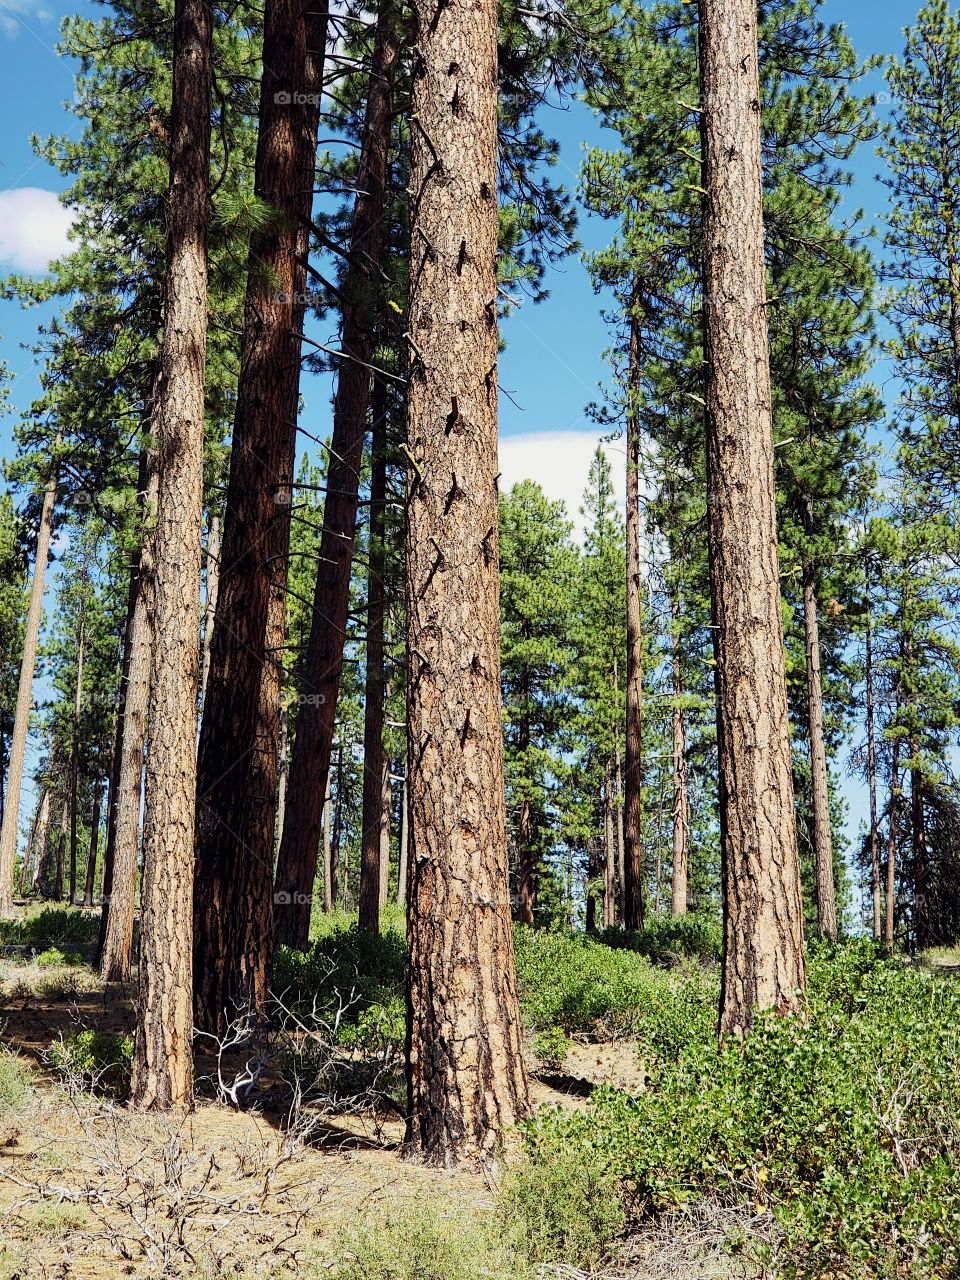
38 829
239 737
386 809
892 848
310 762
874 835
619 835
819 777
681 802
763 963
41 835
921 868
467 1084
212 593
21 718
94 842
633 742
75 760
123 820
371 853
162 1059
404 846
610 877
526 890
283 771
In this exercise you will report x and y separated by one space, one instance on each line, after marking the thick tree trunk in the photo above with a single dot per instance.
819 777
214 532
371 851
123 823
874 834
892 849
310 762
763 913
633 742
21 718
75 761
681 802
162 1059
94 842
237 758
467 1085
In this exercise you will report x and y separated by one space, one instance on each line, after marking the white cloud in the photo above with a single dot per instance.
559 462
11 11
33 228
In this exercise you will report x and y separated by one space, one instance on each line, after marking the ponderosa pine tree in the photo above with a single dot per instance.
467 1084
236 804
162 1061
763 915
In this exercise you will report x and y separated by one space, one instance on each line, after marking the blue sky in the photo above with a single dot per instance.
553 360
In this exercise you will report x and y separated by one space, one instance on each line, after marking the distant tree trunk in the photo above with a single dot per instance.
763 912
526 889
329 874
633 743
236 811
21 718
40 838
892 848
213 591
610 878
75 759
94 842
681 803
283 771
123 821
371 852
921 868
619 835
819 776
404 840
162 1060
658 868
386 812
62 848
310 762
467 1084
874 836
38 829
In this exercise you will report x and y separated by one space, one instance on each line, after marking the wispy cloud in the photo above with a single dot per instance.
14 12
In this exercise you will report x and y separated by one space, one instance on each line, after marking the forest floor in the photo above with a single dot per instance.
90 1190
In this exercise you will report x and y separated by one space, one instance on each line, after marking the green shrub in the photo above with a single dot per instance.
421 1242
552 1047
693 935
843 1126
568 981
345 972
53 958
67 928
565 1199
96 1060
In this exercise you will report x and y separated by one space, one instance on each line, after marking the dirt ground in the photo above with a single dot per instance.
90 1190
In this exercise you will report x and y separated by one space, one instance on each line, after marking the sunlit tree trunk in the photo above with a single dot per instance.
633 742
681 803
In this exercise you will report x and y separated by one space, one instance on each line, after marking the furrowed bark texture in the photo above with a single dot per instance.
310 759
633 740
819 778
123 825
21 718
763 917
467 1085
239 739
162 1059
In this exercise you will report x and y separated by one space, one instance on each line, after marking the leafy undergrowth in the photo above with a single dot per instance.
68 929
844 1128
